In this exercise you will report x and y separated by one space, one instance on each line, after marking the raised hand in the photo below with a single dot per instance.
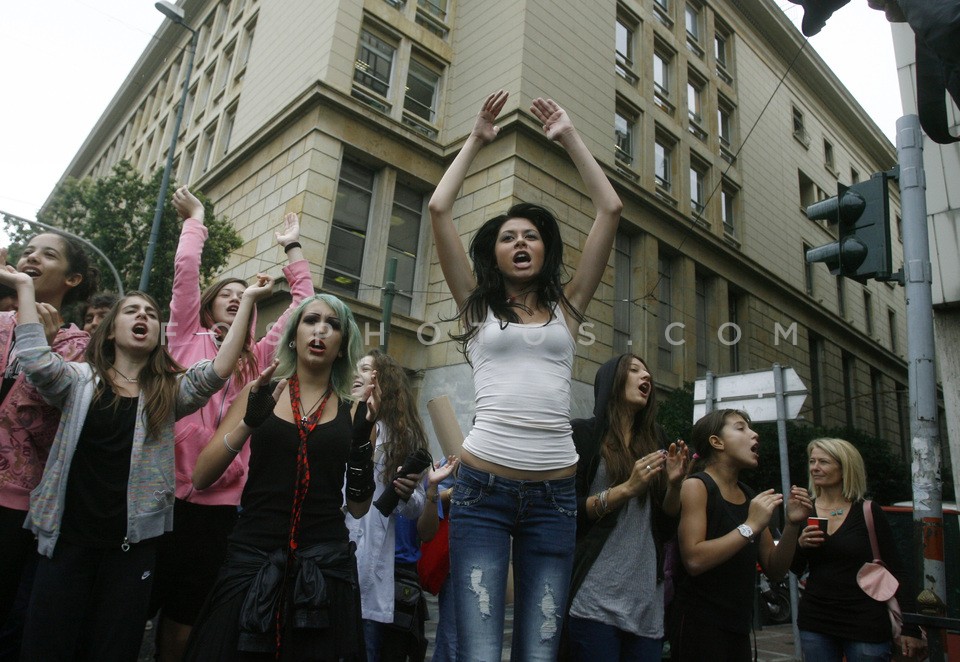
437 474
260 401
678 456
371 395
761 509
261 288
187 204
799 505
291 229
51 320
9 275
644 470
484 129
556 123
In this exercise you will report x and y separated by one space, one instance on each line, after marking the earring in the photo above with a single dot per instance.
292 344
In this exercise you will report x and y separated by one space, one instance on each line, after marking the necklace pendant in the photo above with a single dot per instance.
303 419
837 512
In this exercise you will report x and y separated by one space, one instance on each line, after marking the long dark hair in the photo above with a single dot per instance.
78 262
398 414
158 378
490 291
247 367
620 454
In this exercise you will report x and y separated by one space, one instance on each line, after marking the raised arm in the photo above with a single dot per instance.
236 426
596 251
229 352
185 300
298 277
453 258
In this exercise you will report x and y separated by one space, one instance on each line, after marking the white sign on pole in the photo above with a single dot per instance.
752 392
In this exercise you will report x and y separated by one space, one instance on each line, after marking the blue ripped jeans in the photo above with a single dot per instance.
540 516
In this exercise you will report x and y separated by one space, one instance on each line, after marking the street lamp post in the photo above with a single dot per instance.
176 15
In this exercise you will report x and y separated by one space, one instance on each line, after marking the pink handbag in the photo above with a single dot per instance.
876 580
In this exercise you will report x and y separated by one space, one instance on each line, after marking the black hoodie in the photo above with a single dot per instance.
588 436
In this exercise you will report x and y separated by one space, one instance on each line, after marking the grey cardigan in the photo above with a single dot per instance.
70 387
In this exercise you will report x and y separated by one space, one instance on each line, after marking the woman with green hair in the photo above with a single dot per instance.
288 589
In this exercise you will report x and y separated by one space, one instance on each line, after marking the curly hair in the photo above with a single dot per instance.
398 414
490 291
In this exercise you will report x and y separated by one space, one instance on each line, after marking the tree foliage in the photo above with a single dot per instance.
115 213
888 476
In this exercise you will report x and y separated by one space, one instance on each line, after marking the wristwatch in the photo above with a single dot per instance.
746 531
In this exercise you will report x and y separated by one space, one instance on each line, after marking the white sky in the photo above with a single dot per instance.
62 61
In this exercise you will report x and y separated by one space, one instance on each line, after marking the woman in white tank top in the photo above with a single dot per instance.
519 321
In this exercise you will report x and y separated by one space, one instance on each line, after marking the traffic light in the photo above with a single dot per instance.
816 13
862 214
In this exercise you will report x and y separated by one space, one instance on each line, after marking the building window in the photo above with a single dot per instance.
246 45
892 321
664 312
849 388
868 312
733 334
206 86
799 130
728 209
354 264
238 7
828 161
431 14
816 377
663 79
348 232
220 25
698 185
854 176
693 20
876 386
420 102
695 92
702 334
403 243
725 128
206 147
373 69
722 40
229 119
186 166
205 30
226 63
626 37
807 272
622 293
841 297
189 106
623 129
663 163
662 10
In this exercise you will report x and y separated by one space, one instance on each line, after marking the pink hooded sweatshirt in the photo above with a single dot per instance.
188 342
27 423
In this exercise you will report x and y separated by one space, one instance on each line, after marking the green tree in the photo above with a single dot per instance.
115 213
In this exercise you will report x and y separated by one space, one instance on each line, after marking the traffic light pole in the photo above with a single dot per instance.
924 430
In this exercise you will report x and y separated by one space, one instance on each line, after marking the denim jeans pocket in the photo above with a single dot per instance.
467 492
564 499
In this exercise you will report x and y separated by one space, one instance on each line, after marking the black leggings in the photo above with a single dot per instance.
89 604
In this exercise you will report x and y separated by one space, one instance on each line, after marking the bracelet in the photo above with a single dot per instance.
603 500
231 449
291 245
600 505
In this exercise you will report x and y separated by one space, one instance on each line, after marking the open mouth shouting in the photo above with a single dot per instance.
317 347
33 272
645 389
140 330
755 449
521 259
233 308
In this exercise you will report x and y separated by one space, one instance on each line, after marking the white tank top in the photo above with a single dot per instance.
522 376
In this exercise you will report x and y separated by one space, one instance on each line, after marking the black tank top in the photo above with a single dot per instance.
268 496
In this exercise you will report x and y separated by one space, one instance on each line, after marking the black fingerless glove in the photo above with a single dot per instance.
260 405
360 485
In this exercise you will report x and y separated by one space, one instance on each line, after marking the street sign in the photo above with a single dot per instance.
753 392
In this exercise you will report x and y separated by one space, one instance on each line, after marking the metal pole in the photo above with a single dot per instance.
925 468
165 182
388 293
708 403
779 389
113 269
